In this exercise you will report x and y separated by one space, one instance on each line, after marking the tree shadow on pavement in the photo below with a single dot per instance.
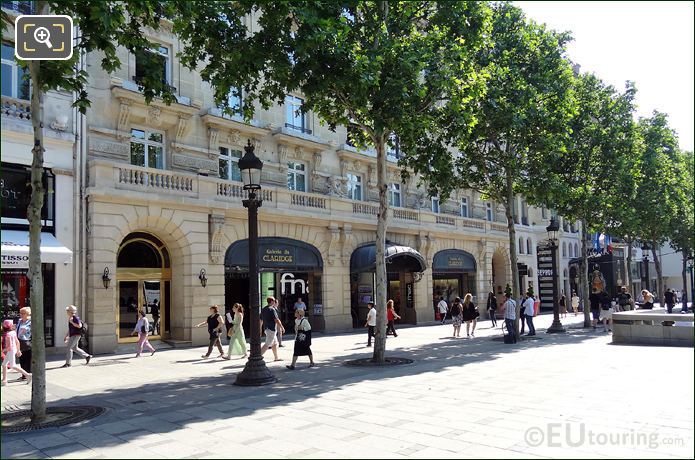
166 407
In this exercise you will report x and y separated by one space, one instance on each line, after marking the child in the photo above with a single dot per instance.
10 347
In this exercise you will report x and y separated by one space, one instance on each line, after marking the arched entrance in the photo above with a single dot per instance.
143 277
290 270
404 266
499 272
453 275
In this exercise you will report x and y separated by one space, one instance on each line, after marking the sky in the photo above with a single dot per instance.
650 43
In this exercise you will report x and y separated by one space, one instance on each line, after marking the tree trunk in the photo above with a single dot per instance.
659 277
38 344
508 207
684 296
381 280
584 275
628 273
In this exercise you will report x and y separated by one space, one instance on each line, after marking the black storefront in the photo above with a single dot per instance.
605 269
404 266
289 268
453 275
15 194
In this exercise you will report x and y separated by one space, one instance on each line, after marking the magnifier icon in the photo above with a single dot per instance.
42 35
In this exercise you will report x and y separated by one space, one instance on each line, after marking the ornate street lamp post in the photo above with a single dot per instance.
645 262
552 230
255 372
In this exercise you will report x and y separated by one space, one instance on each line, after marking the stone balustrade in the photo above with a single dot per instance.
111 177
16 108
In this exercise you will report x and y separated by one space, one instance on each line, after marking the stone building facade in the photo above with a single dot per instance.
165 229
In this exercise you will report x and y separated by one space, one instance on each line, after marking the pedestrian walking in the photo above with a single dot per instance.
24 336
271 324
276 306
11 350
606 315
442 308
625 302
563 306
648 300
215 327
237 339
302 341
529 305
142 329
510 315
457 316
492 307
72 338
522 316
370 324
670 298
391 317
595 306
575 303
470 314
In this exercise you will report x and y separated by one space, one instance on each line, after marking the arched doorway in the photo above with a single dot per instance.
404 266
143 277
289 270
499 272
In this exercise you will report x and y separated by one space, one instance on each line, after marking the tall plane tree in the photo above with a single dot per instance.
102 26
658 187
579 180
383 68
521 120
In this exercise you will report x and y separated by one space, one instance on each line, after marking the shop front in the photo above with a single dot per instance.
453 275
404 266
291 271
15 190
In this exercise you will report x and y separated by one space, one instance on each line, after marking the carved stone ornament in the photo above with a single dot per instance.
234 137
344 167
346 237
337 186
154 116
182 127
283 152
317 161
124 118
214 136
216 232
333 249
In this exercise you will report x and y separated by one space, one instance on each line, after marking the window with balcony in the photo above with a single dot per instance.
564 249
155 63
520 246
229 164
23 7
524 213
354 187
296 176
576 250
13 82
395 195
296 119
147 148
489 214
464 207
234 101
435 205
529 246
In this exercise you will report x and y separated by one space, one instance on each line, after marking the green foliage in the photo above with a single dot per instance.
522 120
508 289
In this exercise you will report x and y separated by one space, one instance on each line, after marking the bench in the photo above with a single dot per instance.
653 327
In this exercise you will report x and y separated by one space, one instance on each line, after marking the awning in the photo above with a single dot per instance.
15 249
400 257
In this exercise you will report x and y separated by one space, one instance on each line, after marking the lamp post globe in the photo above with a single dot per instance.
255 372
553 228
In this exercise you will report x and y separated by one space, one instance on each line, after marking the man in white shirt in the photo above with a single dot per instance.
510 315
371 323
528 312
443 308
575 303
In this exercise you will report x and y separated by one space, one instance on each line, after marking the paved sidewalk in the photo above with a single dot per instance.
569 396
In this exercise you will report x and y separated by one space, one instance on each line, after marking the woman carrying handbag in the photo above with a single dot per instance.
302 343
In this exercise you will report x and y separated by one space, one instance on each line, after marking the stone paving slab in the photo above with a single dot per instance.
461 398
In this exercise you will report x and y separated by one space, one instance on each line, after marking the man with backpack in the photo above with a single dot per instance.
75 330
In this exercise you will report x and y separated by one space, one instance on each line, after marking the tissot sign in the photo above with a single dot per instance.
15 261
